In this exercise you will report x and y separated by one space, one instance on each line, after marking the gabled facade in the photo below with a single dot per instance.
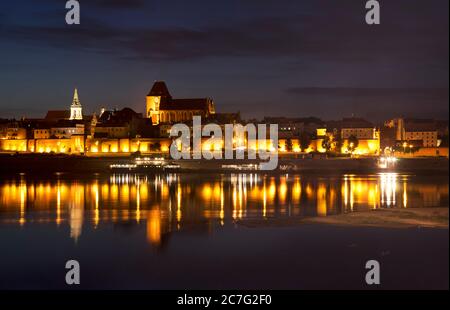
162 108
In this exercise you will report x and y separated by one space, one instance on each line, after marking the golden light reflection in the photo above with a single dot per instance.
58 204
23 193
222 213
296 191
322 200
282 190
178 205
138 203
264 212
96 203
405 195
239 196
154 227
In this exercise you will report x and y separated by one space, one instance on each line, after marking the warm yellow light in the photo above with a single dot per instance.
154 227
206 192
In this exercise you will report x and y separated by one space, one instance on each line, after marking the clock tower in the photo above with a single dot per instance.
159 94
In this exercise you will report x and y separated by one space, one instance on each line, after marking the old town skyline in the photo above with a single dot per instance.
125 131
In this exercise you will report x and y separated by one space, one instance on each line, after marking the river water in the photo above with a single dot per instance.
176 231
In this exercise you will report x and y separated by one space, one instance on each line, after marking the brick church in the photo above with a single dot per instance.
162 108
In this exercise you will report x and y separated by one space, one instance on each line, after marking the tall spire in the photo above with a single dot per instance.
75 101
76 109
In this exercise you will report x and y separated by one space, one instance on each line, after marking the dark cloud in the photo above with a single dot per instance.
106 4
257 47
322 37
373 103
442 93
326 31
91 34
119 4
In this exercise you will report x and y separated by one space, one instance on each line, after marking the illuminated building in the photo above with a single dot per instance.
366 135
76 110
11 131
122 123
162 108
65 130
41 133
416 132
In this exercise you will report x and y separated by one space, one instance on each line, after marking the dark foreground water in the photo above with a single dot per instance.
181 231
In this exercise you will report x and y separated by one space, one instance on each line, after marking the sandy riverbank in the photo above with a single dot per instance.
383 218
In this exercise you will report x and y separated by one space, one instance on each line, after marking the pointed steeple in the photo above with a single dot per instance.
75 100
75 108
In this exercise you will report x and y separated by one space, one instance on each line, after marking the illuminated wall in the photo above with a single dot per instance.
314 146
295 145
425 152
111 146
13 145
13 133
73 145
365 147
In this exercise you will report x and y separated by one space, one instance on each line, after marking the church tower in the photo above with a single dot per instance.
159 94
76 112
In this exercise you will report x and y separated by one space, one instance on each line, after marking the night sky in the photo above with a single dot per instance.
263 58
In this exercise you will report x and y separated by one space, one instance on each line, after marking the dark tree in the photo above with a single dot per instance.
289 145
305 140
156 147
327 143
353 143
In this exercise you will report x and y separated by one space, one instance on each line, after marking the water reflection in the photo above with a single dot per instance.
172 201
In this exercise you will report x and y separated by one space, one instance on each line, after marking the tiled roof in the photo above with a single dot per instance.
159 89
185 104
57 114
354 122
420 126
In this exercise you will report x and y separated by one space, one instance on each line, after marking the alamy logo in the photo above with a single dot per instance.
373 275
73 275
73 15
249 138
373 15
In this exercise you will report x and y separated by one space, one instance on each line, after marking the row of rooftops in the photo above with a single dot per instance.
410 125
420 125
352 122
126 115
